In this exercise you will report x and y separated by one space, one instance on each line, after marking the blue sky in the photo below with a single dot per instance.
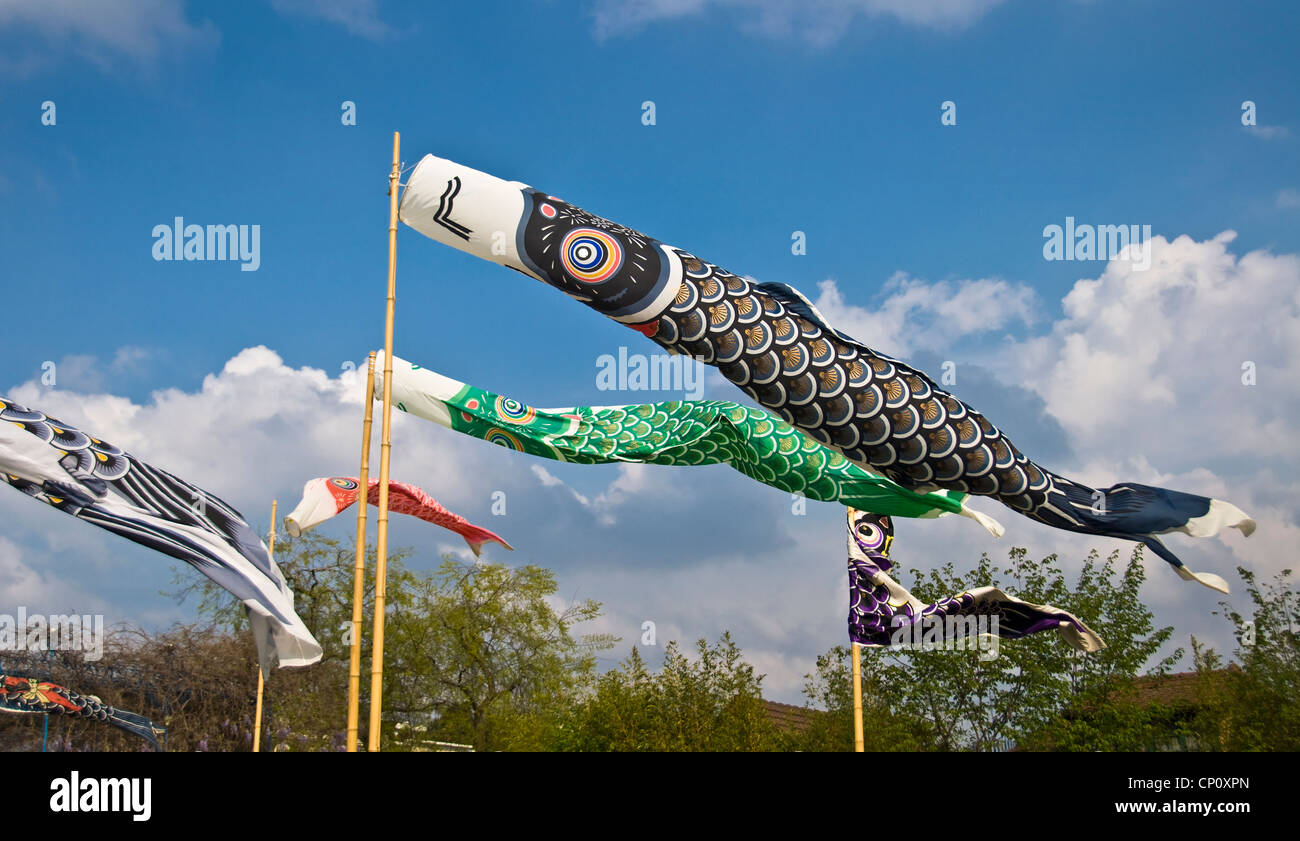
771 117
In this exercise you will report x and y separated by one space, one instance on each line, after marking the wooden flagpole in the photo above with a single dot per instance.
858 744
257 724
385 443
359 574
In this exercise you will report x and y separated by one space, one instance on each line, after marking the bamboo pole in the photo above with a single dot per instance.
385 445
858 744
359 571
257 724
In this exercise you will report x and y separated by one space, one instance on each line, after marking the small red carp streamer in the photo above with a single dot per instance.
325 498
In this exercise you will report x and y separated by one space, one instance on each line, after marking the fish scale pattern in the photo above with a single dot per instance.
877 411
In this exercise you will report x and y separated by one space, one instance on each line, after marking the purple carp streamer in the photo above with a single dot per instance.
100 484
771 342
883 613
29 696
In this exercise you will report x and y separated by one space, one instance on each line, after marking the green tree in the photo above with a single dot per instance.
1036 693
829 689
477 654
1100 710
1252 705
311 701
474 653
711 703
320 571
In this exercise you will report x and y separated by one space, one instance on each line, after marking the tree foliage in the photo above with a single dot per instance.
1255 705
479 653
486 655
474 653
711 703
1036 693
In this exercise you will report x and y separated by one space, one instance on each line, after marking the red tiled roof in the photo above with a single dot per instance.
790 717
1179 688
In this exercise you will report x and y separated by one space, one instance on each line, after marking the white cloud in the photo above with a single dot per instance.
254 431
915 314
633 484
1152 361
87 373
634 480
696 550
817 21
1288 199
783 608
551 481
1143 370
360 17
1269 132
138 31
39 591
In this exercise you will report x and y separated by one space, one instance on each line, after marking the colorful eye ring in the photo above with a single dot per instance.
504 439
591 255
512 411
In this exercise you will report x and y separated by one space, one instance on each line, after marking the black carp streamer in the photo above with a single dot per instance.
773 344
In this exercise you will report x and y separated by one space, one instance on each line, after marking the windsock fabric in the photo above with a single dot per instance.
324 498
752 441
29 696
100 484
771 342
882 613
